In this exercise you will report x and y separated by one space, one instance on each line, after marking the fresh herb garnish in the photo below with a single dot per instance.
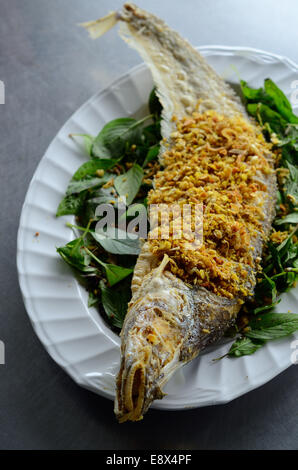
129 183
115 302
122 156
117 241
257 325
244 346
93 168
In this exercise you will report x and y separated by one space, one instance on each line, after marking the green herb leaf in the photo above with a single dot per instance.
72 204
155 107
151 134
265 308
288 219
290 138
284 246
276 257
244 347
117 241
267 287
111 139
75 255
137 208
264 114
91 167
104 196
151 155
92 299
116 273
129 183
88 141
113 272
270 326
115 136
87 183
281 103
253 95
115 302
291 185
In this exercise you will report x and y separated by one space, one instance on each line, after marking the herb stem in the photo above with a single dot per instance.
284 273
94 257
77 227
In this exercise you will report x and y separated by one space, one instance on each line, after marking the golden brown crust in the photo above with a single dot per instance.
223 164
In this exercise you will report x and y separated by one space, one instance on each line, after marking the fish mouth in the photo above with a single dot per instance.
131 394
155 327
138 387
138 382
150 352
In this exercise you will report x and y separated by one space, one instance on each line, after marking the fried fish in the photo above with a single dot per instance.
184 300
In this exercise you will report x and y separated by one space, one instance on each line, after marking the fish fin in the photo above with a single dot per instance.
99 27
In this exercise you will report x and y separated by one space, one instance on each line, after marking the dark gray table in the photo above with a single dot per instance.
50 67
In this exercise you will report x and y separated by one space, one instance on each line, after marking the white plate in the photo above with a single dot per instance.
76 337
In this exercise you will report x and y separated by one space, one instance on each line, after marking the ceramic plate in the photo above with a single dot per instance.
76 337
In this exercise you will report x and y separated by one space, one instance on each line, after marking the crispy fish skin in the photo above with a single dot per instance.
169 322
167 325
178 70
181 74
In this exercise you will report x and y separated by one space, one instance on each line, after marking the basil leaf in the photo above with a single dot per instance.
272 97
71 204
244 347
270 326
117 241
113 272
90 168
100 150
264 114
151 154
154 105
291 137
264 308
87 183
105 196
151 134
291 185
267 287
288 219
116 273
281 102
255 95
284 246
92 299
129 183
115 302
86 213
291 254
114 136
275 256
137 208
75 255
88 141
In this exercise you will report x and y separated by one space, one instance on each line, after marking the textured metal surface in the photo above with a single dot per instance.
50 67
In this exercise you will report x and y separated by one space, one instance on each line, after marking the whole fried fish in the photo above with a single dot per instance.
169 321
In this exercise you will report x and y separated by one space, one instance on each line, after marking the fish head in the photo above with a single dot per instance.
152 337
